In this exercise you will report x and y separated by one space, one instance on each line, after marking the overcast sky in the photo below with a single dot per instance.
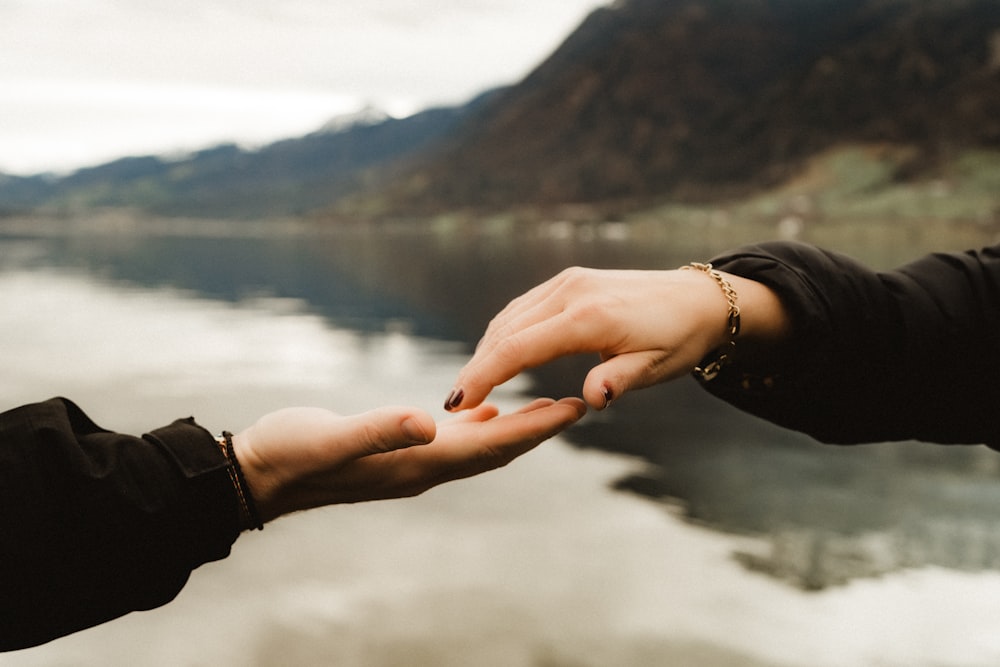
85 81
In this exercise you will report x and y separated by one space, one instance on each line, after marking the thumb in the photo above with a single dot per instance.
390 428
611 379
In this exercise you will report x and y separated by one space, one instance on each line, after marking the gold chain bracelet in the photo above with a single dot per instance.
713 364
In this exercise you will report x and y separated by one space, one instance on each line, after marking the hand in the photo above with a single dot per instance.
299 458
648 326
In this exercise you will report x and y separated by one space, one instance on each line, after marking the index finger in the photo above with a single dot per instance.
521 306
519 350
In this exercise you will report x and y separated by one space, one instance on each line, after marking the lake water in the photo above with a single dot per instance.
670 530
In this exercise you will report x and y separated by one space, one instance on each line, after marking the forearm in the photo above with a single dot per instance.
96 524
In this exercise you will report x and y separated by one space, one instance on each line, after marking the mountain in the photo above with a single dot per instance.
289 177
18 193
647 101
701 99
367 115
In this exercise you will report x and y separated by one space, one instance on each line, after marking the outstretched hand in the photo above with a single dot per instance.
299 458
647 326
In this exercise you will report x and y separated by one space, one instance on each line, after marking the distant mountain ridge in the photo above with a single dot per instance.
647 101
285 178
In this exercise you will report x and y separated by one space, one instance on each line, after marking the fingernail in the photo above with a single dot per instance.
608 396
454 398
414 432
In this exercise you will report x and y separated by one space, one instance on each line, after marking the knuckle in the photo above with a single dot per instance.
509 351
493 328
575 278
573 273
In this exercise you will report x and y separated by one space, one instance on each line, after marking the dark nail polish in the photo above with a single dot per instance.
608 396
454 399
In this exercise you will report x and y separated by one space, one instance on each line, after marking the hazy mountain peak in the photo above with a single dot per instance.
367 115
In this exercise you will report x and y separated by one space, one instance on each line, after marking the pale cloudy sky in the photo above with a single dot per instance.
84 81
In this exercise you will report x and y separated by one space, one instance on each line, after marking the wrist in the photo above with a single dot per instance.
721 340
742 308
763 317
250 517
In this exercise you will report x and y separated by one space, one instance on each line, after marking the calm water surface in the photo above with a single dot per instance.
670 530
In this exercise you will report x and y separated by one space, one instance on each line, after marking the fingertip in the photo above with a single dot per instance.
473 386
465 397
598 391
537 404
607 396
417 427
454 399
600 397
484 411
578 404
415 432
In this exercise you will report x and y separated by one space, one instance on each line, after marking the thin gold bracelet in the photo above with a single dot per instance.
712 365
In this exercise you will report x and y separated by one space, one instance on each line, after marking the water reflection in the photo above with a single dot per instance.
531 566
828 514
831 514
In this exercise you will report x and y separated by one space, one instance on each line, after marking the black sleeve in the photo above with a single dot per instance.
912 353
95 524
